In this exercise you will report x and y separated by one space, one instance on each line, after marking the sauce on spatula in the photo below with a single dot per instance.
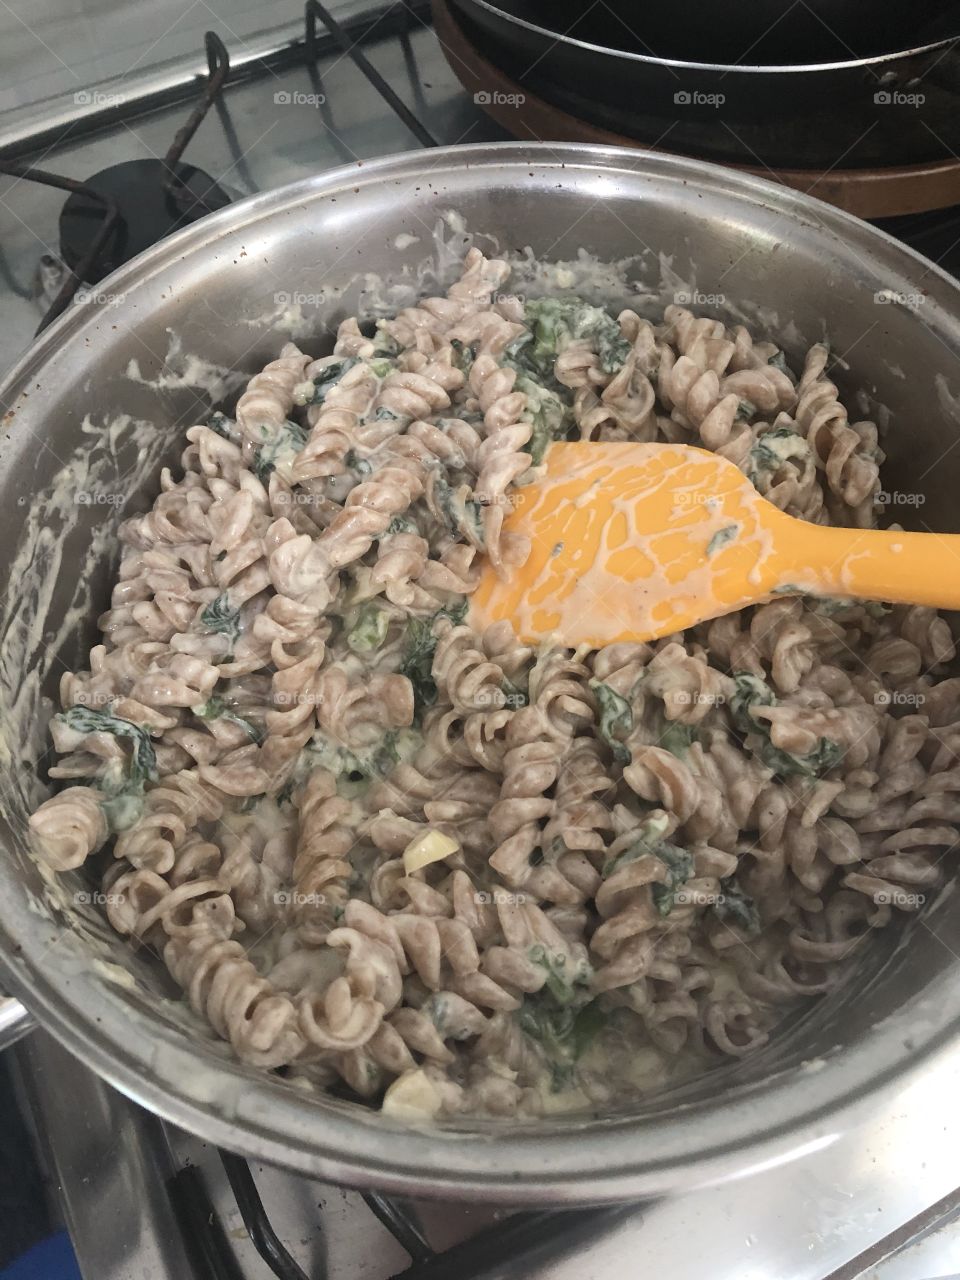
636 541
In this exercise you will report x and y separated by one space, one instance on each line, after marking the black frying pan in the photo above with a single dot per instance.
855 108
755 33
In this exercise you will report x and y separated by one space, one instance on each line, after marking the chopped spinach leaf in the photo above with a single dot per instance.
563 1033
549 414
649 839
417 664
464 355
555 322
722 538
383 344
513 694
420 645
216 709
353 765
677 738
462 514
329 376
379 760
142 765
616 718
401 524
771 450
367 629
612 347
560 982
222 617
357 464
679 865
288 442
737 908
222 425
751 691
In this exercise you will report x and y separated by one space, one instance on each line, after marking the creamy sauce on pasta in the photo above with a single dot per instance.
286 687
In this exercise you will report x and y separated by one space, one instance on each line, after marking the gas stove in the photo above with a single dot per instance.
101 167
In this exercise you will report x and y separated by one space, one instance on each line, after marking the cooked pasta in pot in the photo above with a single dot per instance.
439 869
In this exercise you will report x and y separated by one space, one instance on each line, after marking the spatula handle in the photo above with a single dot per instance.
881 564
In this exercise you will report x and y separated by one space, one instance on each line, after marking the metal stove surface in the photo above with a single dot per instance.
143 1201
269 128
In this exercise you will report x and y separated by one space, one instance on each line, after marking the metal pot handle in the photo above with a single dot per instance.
15 1021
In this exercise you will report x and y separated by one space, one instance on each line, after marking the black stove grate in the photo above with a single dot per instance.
506 1249
96 237
103 206
314 12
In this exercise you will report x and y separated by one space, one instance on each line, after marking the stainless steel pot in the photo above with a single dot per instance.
795 268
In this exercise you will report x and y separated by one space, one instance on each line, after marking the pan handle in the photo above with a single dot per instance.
15 1021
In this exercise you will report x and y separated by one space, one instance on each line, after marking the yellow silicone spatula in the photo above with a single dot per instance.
636 541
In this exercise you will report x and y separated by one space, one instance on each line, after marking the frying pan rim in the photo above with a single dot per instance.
723 68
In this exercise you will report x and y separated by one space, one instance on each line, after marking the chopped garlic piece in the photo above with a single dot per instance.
412 1096
432 846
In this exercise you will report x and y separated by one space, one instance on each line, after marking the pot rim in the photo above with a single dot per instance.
573 1160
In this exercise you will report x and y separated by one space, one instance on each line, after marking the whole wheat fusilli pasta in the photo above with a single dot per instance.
456 874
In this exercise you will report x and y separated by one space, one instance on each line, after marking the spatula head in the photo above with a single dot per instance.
633 542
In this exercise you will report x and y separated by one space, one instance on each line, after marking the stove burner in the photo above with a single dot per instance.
150 208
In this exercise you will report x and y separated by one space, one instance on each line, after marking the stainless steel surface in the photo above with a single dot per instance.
15 1021
51 52
844 1207
99 96
778 257
109 1162
249 142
